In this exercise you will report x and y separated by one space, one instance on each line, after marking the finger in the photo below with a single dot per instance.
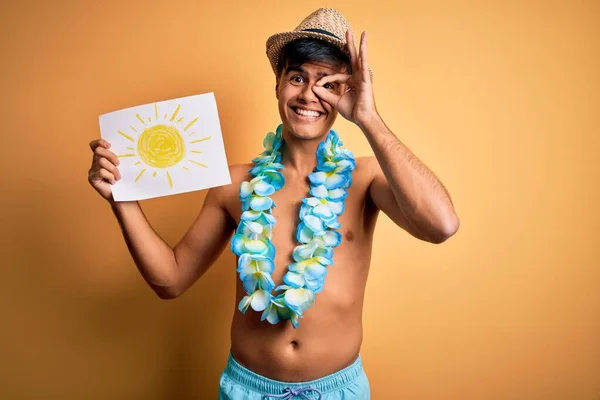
99 142
363 57
104 163
326 95
112 157
107 176
352 50
338 78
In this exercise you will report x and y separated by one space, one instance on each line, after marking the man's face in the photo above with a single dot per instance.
303 114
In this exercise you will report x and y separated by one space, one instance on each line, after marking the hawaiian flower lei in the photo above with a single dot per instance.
317 230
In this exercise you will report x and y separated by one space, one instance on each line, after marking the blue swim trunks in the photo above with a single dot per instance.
239 383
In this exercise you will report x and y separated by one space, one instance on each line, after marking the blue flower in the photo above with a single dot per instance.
256 185
241 244
251 263
298 300
260 203
274 178
254 230
335 178
324 207
276 310
255 194
263 163
258 280
272 142
315 224
258 300
260 217
309 273
342 154
302 252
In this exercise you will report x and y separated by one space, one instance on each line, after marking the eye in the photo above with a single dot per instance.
331 86
297 79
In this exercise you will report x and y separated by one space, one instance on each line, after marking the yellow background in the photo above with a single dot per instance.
499 99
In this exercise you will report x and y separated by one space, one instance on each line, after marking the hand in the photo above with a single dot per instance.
103 172
357 103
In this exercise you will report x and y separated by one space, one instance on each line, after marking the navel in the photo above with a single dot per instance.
349 236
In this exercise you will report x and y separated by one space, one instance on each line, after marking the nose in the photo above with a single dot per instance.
308 95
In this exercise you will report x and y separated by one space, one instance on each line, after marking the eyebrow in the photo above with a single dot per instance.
303 71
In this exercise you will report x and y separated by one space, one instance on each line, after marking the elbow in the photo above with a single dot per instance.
167 287
450 230
167 293
447 232
167 290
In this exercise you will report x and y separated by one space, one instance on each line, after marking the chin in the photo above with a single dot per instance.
305 133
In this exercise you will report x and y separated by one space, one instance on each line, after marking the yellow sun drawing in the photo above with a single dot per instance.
162 145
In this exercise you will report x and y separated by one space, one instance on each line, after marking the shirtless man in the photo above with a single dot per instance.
320 358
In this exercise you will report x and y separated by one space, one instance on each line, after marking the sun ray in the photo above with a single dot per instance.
137 163
190 124
149 119
156 110
200 164
140 118
191 133
141 173
176 112
200 140
131 126
195 151
126 136
126 155
165 116
154 174
180 119
170 180
129 148
186 168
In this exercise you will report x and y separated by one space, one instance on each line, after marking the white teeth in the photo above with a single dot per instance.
307 113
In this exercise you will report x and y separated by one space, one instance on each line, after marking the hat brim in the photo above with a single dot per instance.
276 43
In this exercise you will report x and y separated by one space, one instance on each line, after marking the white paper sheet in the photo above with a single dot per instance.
168 147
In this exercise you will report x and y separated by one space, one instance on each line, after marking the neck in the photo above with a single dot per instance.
299 155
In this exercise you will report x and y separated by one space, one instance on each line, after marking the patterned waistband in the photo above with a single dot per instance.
265 385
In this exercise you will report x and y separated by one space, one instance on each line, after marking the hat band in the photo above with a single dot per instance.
316 30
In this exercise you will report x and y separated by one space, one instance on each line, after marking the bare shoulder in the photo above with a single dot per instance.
225 193
240 173
365 169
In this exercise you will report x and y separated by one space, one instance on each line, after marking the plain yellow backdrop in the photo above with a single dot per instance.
500 100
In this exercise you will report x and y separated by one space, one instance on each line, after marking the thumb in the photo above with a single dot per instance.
326 95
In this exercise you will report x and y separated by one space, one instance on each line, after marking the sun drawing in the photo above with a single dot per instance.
163 143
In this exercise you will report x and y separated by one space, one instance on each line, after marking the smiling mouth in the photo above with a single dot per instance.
308 115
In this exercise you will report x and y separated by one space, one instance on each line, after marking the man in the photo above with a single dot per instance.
324 199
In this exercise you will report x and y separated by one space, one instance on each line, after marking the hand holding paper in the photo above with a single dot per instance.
162 148
104 171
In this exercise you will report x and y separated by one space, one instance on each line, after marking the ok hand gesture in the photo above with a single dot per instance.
357 103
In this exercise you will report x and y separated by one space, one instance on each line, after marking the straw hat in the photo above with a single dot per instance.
324 24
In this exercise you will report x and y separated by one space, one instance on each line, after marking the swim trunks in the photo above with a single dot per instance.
239 383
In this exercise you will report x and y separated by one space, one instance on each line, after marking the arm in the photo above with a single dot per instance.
168 271
383 198
405 189
171 271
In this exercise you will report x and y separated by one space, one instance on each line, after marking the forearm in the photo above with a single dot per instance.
420 195
153 257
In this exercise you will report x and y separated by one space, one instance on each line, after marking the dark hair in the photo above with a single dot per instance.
300 51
